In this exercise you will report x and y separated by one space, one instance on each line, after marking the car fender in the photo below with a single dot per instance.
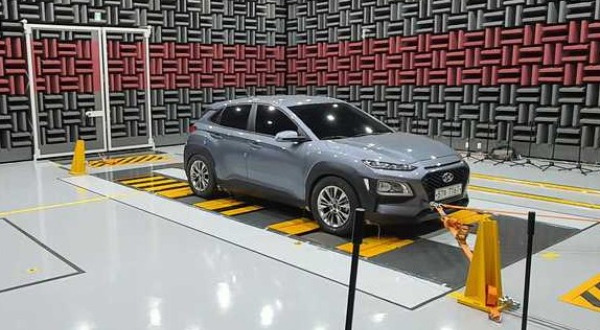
195 149
345 172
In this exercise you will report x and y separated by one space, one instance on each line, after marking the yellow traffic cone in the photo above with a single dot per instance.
484 285
78 163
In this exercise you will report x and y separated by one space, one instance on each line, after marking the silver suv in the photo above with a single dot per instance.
324 155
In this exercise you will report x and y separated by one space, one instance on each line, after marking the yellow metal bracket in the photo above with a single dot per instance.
483 289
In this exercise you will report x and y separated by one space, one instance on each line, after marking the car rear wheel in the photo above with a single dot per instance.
333 204
201 176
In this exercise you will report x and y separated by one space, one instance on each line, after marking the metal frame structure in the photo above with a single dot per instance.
105 94
146 32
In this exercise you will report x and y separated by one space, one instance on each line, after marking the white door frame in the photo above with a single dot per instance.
104 54
105 88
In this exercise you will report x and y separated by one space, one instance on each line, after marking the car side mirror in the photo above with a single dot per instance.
290 136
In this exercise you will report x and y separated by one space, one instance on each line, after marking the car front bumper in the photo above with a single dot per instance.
409 213
389 210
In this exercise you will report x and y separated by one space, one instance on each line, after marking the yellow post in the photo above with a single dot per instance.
78 163
484 285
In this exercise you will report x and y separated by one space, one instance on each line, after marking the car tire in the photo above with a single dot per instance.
333 204
201 176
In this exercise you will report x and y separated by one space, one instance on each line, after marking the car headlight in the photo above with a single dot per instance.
388 166
393 188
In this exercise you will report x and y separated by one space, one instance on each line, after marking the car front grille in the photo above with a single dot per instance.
433 180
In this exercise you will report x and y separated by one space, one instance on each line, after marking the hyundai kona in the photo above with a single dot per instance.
323 155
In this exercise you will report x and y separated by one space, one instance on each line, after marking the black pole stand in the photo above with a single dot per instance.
597 170
357 238
451 133
579 165
530 232
469 155
529 144
551 163
508 158
597 164
486 155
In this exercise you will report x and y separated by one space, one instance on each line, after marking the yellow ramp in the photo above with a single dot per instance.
295 226
217 204
374 246
152 183
176 192
242 210
141 180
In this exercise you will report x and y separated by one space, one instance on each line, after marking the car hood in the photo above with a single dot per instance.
394 147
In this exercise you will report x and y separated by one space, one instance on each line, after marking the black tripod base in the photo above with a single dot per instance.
544 168
580 168
482 159
469 155
526 163
507 161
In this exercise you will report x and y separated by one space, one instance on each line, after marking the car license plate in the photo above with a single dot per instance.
447 192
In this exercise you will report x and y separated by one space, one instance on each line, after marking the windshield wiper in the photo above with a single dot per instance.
334 137
365 134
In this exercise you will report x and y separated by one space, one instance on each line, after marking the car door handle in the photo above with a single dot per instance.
216 136
255 145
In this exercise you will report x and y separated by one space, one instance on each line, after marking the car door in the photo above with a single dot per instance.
277 166
229 142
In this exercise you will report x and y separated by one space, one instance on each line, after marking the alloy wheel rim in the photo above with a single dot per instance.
333 206
200 175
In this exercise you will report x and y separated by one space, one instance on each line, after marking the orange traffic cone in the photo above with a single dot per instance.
78 163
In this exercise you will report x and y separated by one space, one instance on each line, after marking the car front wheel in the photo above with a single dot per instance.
201 176
333 204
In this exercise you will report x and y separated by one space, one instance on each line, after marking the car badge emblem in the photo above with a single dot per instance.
447 177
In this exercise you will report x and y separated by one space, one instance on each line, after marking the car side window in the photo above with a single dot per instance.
235 116
270 121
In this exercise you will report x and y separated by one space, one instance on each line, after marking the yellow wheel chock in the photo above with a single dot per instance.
483 289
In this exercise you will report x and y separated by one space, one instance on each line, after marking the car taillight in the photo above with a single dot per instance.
192 128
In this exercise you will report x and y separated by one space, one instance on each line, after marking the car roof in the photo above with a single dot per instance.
278 100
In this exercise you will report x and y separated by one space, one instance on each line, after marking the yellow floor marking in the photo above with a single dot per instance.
140 159
59 205
180 184
242 210
33 270
96 163
140 180
217 204
535 183
295 226
595 292
129 160
586 295
550 255
177 193
534 197
373 246
152 183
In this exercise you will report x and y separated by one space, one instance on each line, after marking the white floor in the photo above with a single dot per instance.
114 258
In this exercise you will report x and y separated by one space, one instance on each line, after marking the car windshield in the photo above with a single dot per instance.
337 121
